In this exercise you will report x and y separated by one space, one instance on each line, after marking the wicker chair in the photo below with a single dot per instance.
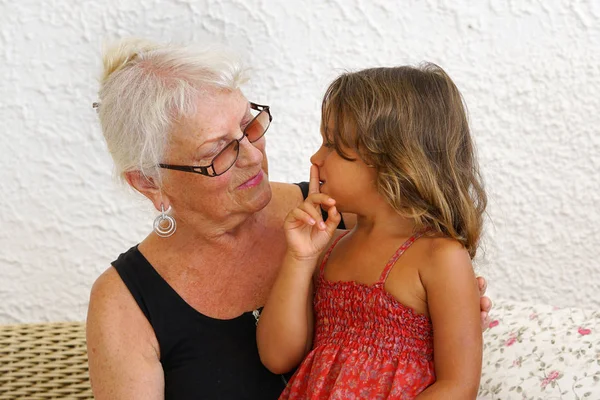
44 361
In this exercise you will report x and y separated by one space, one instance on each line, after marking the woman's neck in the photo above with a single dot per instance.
198 241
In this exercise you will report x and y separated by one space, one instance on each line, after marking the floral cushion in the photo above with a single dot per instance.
541 352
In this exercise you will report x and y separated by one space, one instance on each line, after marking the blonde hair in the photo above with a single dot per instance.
411 124
145 87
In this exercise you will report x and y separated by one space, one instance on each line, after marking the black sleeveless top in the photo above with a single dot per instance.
202 357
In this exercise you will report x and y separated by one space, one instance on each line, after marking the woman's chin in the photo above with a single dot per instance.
260 195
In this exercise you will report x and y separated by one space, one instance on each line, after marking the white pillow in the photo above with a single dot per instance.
541 352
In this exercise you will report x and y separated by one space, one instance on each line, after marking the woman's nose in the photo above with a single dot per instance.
249 154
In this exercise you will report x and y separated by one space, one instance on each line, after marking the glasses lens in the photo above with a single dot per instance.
257 128
226 158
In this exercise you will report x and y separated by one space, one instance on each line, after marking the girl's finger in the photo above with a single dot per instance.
333 220
313 184
321 199
299 215
315 213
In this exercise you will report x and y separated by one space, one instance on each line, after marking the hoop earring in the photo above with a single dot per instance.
171 226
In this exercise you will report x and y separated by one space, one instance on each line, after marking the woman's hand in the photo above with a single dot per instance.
485 304
306 233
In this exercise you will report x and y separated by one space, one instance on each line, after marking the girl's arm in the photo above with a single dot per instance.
452 299
285 328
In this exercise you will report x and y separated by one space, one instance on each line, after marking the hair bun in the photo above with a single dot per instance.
116 55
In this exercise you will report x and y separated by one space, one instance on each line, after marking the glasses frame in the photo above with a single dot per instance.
206 169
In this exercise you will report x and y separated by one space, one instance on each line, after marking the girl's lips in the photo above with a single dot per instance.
250 183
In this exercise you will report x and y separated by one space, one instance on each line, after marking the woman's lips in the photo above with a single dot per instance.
250 183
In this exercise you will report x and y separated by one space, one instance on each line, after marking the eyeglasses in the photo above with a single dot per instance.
229 155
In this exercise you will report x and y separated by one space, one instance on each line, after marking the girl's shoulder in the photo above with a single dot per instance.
443 254
440 246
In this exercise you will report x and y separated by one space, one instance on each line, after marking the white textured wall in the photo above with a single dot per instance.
529 71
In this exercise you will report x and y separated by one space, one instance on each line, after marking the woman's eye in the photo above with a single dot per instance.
245 123
209 155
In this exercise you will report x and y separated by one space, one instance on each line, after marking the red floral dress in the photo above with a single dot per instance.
367 345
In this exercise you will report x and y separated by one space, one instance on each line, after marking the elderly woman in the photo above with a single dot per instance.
174 317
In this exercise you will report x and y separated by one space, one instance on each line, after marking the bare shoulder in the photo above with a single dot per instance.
113 311
123 351
445 256
107 291
107 283
286 197
287 193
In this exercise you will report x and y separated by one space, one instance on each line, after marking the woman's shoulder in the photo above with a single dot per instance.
122 348
286 197
107 288
113 310
109 296
290 191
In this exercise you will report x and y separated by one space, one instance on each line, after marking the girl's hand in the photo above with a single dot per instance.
306 233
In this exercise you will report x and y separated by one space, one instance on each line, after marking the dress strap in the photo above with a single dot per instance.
398 253
326 257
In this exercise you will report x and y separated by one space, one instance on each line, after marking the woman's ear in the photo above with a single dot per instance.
149 187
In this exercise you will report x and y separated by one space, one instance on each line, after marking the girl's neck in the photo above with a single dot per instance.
383 220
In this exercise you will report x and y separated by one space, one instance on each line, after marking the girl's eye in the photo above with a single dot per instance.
328 145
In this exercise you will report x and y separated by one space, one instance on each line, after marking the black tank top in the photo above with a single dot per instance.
202 357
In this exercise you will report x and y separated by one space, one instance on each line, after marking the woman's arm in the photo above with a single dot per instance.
452 300
122 348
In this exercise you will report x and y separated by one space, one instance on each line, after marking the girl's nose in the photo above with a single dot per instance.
318 157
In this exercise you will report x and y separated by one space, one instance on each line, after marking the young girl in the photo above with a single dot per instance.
367 309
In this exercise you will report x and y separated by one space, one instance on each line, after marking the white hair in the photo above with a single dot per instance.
146 87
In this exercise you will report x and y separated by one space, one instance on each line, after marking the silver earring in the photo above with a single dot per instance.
164 224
